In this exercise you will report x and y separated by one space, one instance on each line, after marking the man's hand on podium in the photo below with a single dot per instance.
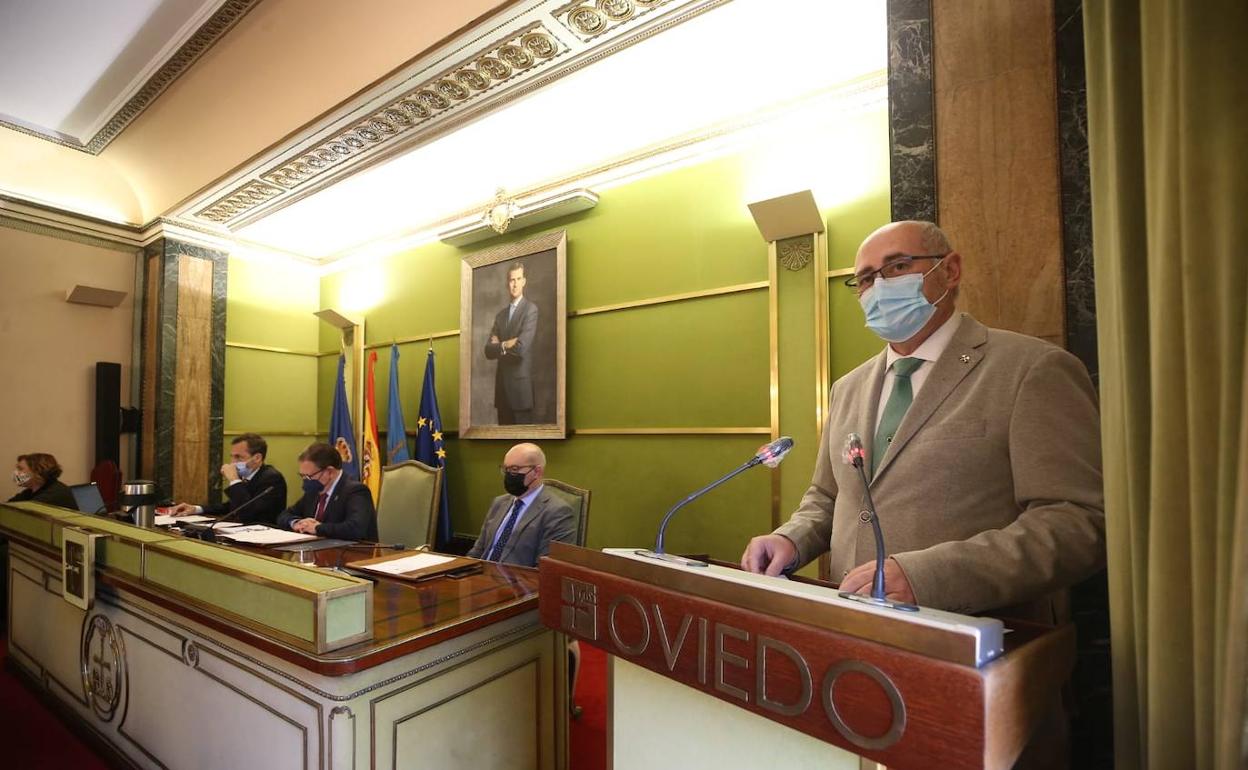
896 584
769 554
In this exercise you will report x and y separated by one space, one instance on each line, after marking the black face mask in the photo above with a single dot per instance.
514 483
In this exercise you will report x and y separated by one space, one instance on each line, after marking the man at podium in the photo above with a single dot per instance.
982 448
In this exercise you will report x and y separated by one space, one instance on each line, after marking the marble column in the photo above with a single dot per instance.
911 117
183 369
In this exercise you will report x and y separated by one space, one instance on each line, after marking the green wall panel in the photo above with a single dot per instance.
271 304
269 391
695 363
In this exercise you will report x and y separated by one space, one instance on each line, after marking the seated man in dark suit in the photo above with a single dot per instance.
246 478
332 505
522 523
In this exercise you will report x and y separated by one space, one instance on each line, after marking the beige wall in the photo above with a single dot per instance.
49 348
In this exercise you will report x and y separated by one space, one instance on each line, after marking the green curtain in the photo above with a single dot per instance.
1168 140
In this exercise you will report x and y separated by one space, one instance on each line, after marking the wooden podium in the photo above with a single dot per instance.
884 690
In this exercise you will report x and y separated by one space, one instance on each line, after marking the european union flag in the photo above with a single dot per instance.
429 448
341 432
396 429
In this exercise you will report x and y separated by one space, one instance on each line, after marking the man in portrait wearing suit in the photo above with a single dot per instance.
332 504
521 524
511 345
247 476
982 450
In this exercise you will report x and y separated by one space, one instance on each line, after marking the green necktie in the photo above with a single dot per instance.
898 402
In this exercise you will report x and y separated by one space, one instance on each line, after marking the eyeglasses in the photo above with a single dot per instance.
900 265
312 476
525 469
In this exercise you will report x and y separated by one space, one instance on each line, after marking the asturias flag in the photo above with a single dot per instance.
396 429
370 458
341 432
429 448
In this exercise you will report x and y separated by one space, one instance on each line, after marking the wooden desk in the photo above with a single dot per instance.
458 673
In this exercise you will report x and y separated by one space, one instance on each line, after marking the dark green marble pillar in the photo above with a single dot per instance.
183 369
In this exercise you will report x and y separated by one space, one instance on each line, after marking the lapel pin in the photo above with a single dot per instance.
964 358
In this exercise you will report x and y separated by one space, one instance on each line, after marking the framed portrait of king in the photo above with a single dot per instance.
512 343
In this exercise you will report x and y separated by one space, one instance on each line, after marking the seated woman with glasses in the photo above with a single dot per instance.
38 474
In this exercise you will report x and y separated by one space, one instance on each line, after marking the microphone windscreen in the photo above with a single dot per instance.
854 452
771 454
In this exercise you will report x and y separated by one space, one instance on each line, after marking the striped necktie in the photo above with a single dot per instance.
508 526
898 402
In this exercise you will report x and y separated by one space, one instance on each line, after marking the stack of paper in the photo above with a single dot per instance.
410 563
261 535
165 521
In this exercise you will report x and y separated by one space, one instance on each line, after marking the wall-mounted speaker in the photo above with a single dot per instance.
108 412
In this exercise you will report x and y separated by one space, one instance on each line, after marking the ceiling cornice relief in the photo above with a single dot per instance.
538 43
222 20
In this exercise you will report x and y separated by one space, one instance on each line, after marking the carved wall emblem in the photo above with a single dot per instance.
580 608
500 212
103 666
795 253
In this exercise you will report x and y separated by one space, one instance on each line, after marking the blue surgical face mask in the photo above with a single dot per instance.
244 471
896 308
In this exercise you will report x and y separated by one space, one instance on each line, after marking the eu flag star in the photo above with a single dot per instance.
421 422
441 453
437 435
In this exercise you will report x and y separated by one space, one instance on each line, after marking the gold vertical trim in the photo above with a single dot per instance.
773 323
822 363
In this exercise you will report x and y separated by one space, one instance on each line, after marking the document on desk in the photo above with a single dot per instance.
165 521
410 563
258 534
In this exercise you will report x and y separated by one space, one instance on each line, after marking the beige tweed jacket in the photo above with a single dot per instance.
990 496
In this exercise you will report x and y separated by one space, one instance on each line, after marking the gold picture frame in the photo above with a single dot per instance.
513 358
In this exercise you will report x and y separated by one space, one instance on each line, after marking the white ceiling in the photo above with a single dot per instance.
729 64
67 66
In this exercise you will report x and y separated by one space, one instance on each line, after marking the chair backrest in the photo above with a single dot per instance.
407 508
579 500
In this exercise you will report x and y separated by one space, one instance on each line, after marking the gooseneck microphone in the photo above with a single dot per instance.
855 455
208 532
768 454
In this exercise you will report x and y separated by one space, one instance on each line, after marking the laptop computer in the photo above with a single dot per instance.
88 498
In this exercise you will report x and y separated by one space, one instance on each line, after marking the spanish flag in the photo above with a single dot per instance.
370 457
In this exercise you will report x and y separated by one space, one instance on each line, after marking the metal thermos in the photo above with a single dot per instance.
138 498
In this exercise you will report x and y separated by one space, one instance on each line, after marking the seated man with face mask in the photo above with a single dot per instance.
522 523
246 478
332 504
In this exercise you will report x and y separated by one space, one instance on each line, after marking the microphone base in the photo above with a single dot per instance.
670 558
885 603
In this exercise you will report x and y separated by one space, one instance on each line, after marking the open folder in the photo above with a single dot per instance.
416 565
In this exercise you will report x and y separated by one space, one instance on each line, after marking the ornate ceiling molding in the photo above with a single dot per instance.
212 30
536 43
